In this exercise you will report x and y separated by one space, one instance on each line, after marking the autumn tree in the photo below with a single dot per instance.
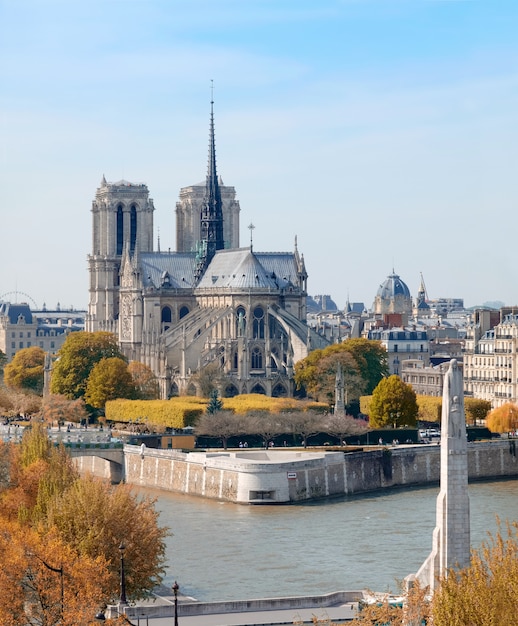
56 408
476 410
371 358
302 423
266 425
25 371
145 381
95 518
76 359
3 361
109 379
90 517
222 424
364 363
317 374
484 593
412 609
14 402
208 378
44 581
341 426
393 404
503 419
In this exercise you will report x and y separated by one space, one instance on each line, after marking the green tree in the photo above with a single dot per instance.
109 380
364 363
146 383
25 371
393 404
503 419
76 358
317 374
371 358
215 403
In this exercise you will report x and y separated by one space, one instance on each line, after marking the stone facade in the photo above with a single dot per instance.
491 357
21 327
209 303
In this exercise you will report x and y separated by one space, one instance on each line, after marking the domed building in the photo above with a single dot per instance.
393 297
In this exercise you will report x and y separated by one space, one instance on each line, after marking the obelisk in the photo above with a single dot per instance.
451 537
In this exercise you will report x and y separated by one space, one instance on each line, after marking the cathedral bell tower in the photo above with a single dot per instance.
122 220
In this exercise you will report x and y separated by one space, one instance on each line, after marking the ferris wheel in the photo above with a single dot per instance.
6 297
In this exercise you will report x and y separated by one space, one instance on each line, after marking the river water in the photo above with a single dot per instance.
224 551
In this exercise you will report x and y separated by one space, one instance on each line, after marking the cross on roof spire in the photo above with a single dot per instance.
251 228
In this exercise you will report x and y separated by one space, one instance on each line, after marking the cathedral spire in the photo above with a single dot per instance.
211 231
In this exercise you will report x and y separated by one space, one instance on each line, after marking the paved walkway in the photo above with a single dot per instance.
338 614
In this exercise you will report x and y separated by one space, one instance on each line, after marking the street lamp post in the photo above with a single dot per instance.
175 591
122 600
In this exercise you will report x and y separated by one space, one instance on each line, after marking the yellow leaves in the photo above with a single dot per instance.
43 580
174 413
59 538
503 419
485 593
95 518
256 402
183 411
25 371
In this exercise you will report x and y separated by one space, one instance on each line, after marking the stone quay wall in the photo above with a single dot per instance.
278 476
187 609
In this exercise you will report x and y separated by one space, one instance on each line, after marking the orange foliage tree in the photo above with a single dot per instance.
503 419
59 537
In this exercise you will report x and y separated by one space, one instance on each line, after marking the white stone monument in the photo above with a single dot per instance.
451 537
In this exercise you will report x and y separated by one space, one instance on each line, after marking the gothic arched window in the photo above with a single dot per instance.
184 311
133 228
120 229
257 359
258 322
240 321
166 317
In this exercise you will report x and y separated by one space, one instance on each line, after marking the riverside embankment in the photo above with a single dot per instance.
281 476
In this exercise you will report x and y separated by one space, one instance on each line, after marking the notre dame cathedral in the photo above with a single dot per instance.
209 302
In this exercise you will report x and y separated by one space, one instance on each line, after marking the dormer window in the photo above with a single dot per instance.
166 280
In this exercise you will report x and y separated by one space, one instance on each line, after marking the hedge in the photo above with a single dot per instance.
182 411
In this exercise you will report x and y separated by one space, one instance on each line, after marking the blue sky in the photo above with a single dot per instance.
382 133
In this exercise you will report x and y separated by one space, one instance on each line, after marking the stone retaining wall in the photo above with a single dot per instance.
243 606
277 476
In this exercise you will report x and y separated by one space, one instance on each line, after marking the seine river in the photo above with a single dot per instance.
223 551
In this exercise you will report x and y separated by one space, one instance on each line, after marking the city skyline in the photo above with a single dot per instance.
380 133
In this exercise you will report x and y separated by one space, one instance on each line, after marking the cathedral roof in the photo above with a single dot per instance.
239 268
178 266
